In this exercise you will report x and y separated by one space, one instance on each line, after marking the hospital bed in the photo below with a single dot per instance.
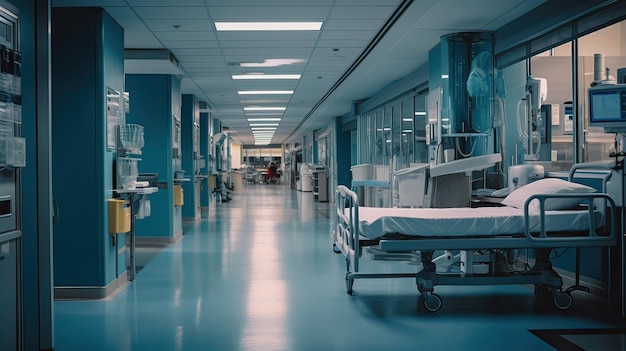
533 226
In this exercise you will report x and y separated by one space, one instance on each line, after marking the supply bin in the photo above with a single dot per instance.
119 216
411 185
179 196
362 172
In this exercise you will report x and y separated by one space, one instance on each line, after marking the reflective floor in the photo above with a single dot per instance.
258 273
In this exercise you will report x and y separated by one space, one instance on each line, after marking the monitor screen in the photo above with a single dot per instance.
607 106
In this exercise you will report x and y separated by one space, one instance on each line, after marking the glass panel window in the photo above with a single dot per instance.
421 149
553 139
407 126
601 59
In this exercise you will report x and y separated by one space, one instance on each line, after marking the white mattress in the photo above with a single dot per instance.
459 222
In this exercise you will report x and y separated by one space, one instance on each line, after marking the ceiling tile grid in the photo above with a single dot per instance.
209 58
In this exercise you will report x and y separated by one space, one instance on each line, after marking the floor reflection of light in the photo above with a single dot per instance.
179 337
266 305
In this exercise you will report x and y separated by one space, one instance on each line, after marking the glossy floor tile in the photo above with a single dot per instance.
258 273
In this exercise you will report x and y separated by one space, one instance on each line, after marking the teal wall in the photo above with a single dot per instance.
36 193
205 144
87 56
343 154
190 121
154 99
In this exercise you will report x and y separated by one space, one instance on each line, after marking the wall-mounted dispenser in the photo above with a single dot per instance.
179 195
119 216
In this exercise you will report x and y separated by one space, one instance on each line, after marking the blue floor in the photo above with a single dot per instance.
258 273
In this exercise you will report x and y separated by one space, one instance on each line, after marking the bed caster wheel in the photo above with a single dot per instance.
432 302
562 300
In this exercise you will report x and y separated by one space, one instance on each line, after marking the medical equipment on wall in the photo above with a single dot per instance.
529 122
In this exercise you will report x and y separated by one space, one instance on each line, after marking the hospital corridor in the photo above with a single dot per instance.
312 175
258 273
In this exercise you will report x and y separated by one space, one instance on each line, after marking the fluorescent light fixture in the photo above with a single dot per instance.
253 108
263 132
263 124
262 128
274 114
265 92
267 76
271 63
262 26
444 76
407 131
407 120
264 119
420 113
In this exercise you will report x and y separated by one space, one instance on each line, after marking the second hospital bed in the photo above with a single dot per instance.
531 225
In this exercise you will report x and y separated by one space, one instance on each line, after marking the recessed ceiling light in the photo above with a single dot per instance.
265 92
264 114
267 76
264 119
263 124
252 108
262 26
271 63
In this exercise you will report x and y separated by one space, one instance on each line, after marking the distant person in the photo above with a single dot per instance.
271 173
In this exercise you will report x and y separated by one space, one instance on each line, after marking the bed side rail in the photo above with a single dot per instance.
601 232
347 226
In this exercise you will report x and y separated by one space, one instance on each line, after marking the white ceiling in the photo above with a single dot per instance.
208 58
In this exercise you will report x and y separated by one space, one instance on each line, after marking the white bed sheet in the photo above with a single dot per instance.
459 222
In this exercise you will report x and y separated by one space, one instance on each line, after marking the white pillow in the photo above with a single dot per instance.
519 196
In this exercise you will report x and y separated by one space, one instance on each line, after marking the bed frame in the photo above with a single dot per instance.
548 283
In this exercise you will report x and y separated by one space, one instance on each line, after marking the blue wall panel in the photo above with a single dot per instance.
190 120
87 56
205 193
152 104
343 155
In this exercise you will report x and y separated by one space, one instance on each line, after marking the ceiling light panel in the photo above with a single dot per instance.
265 92
275 62
259 102
266 76
262 108
277 114
267 26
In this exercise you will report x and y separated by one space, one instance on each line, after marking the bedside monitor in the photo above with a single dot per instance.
607 107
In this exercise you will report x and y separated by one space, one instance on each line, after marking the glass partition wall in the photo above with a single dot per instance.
394 134
396 129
